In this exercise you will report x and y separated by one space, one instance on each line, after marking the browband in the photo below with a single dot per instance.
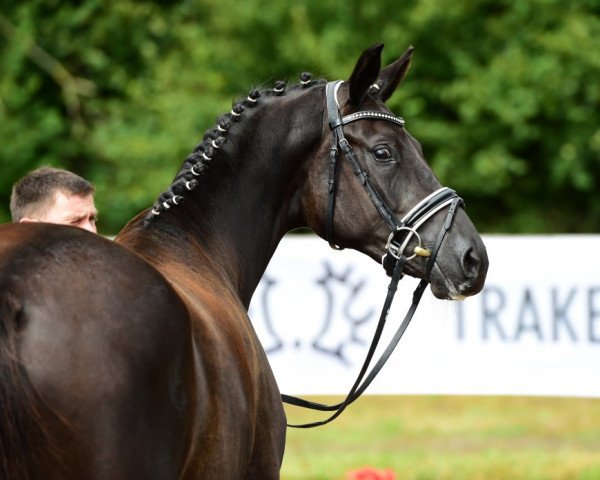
372 115
333 111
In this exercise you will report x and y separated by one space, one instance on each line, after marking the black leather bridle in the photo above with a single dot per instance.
395 258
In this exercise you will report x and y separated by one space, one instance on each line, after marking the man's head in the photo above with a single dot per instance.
54 195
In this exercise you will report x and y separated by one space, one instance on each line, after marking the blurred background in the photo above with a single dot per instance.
504 94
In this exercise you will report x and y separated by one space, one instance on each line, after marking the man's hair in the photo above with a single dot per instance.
33 195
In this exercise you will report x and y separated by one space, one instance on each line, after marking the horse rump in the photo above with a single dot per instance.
23 435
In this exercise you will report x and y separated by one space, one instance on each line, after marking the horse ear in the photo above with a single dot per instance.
365 72
392 75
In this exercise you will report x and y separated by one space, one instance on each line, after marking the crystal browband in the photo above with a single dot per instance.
374 115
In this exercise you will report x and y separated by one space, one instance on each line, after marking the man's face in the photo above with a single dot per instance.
76 210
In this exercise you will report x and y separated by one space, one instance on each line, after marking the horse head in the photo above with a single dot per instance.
385 178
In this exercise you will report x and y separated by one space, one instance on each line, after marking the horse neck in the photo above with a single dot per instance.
248 198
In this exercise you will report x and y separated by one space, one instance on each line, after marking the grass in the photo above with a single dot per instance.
450 438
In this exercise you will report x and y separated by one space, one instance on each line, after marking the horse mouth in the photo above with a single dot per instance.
442 286
445 288
456 297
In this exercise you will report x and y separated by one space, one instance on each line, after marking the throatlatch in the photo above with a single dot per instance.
395 257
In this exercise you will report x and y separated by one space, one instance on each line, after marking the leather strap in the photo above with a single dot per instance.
358 387
393 264
362 382
332 107
339 141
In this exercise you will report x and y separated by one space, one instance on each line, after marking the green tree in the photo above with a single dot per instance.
503 95
512 110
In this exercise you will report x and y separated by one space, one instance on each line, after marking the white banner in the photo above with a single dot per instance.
534 330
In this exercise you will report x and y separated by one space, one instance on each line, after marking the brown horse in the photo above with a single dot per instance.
136 359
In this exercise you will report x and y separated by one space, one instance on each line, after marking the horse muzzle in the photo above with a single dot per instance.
460 269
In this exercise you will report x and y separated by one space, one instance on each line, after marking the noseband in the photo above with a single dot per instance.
394 259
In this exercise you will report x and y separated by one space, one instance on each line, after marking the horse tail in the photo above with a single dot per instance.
21 433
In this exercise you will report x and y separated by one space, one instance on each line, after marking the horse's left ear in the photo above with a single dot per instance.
364 74
392 75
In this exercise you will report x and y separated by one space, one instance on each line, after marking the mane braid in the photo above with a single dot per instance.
197 162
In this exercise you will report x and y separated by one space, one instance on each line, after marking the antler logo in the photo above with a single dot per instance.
325 315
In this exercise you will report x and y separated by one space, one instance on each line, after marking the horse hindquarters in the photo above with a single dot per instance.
17 403
103 341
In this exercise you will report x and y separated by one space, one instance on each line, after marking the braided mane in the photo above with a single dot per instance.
214 139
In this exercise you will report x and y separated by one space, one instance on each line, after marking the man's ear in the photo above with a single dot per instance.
28 220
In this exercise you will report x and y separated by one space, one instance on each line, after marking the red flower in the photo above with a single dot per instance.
370 473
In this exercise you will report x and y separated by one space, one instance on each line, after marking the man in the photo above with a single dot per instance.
53 195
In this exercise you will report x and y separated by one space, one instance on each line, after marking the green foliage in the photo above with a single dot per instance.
503 95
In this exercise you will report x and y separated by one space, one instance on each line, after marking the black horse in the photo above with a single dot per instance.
137 359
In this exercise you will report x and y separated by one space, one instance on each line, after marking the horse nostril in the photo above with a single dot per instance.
471 263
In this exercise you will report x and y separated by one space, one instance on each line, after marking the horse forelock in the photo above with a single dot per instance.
214 140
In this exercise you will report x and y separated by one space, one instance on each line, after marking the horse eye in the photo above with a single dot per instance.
382 153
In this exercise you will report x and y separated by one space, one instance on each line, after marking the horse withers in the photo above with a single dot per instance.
137 359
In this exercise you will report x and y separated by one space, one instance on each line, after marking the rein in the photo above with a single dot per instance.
393 261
